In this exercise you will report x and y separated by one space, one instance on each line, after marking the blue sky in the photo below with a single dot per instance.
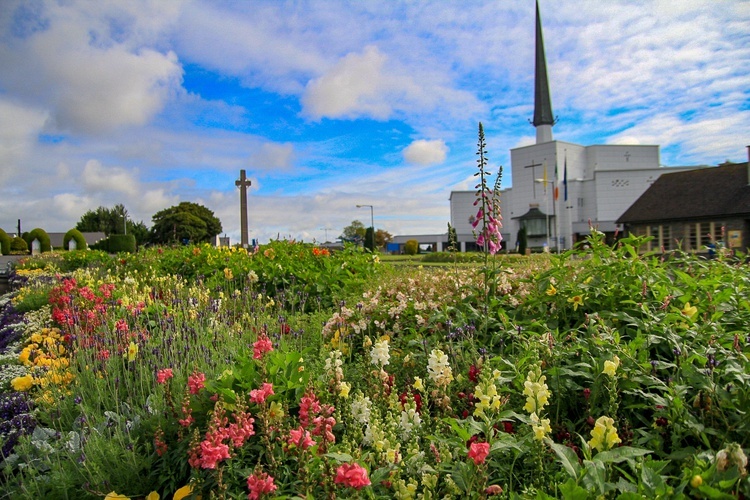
330 104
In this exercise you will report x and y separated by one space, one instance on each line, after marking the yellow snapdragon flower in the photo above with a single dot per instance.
604 434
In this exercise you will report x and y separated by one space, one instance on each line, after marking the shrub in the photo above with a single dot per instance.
4 243
77 236
38 234
411 247
117 243
18 246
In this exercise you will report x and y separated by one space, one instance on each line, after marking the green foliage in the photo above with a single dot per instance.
111 221
411 247
18 246
75 235
186 222
117 243
354 232
4 243
382 238
38 234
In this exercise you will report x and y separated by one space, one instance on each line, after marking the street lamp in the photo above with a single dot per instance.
372 222
554 211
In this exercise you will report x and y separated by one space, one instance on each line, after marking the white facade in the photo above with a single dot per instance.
602 182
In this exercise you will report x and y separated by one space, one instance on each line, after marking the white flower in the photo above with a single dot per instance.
380 353
439 369
409 420
360 409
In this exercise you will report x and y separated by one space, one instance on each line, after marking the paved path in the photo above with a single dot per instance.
5 259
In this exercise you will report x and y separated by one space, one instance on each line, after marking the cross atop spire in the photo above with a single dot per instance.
543 117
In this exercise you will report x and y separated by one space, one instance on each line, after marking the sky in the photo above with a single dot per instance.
331 104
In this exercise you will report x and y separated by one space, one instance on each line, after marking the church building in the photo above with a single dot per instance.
560 189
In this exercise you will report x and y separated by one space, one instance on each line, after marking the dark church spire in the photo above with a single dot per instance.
543 117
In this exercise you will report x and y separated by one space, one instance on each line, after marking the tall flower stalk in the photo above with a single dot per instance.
486 223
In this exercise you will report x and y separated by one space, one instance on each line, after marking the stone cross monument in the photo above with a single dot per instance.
243 183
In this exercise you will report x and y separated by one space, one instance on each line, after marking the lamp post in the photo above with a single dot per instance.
554 212
372 222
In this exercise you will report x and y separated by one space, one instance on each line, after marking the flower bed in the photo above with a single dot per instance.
293 372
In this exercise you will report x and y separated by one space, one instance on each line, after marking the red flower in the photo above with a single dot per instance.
478 452
352 475
474 373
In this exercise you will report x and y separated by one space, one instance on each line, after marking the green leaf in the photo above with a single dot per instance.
620 454
567 458
711 492
340 457
571 491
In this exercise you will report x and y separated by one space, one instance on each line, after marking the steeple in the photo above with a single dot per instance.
543 117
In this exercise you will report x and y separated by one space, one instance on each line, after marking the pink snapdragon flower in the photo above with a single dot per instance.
262 346
300 438
163 375
196 382
479 451
352 475
259 396
259 483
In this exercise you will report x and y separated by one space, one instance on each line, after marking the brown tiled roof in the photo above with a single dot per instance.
715 192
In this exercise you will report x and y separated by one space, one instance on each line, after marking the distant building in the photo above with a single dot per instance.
560 189
694 211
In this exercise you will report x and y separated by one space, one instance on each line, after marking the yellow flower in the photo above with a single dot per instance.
610 367
604 434
275 410
153 496
183 492
22 383
418 385
576 300
689 310
551 290
344 390
540 426
114 496
228 273
536 391
132 351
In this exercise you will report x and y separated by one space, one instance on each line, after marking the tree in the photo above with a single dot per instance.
354 232
382 238
452 238
111 221
411 247
186 222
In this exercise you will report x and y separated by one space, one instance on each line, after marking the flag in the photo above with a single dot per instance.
565 179
556 191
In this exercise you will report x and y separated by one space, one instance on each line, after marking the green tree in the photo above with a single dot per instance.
411 247
382 238
522 241
452 238
354 232
185 222
115 220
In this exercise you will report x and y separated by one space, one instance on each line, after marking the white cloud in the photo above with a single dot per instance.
19 126
273 156
356 86
423 152
98 178
87 80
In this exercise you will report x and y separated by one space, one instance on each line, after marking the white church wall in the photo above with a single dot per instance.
462 208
